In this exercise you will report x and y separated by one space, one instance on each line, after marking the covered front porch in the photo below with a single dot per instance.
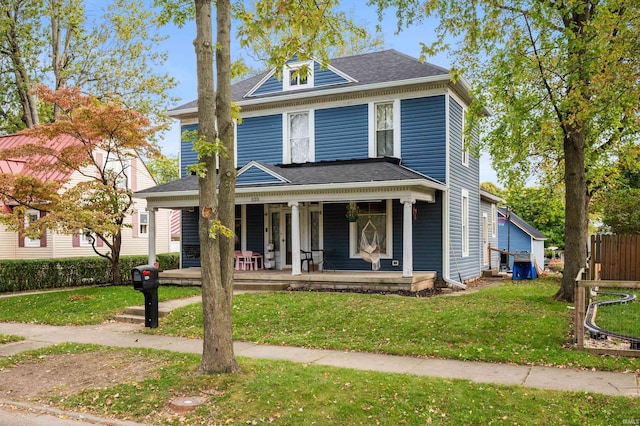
335 280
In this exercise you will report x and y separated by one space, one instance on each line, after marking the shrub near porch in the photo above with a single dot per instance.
514 322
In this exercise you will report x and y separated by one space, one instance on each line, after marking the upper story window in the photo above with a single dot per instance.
384 129
465 222
465 148
30 217
298 141
298 75
122 170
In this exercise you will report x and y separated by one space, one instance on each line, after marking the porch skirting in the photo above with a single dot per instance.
336 280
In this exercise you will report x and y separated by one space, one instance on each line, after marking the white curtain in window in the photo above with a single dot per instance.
299 137
384 129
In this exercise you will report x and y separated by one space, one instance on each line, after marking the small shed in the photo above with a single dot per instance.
516 235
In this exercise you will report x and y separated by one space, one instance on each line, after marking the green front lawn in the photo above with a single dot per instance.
80 307
285 393
516 322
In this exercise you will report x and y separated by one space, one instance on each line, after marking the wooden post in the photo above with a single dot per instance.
579 312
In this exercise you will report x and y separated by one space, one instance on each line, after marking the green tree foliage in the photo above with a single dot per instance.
492 188
562 80
164 168
619 204
82 185
109 53
541 208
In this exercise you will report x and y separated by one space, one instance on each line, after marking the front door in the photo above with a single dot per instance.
280 236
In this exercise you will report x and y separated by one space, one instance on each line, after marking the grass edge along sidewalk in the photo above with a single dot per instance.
281 392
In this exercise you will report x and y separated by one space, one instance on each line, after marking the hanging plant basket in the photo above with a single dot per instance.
352 212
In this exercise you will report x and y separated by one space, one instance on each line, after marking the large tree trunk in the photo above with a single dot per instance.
575 223
217 352
115 258
227 184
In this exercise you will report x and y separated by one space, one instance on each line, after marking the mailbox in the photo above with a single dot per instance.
145 279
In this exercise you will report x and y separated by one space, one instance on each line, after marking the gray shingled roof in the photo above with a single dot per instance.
324 172
522 224
369 68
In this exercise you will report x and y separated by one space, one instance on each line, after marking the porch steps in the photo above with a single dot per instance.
135 314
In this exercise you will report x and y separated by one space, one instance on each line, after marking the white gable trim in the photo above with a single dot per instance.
259 84
256 164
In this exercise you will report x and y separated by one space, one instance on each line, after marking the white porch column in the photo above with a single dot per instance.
295 238
152 235
407 238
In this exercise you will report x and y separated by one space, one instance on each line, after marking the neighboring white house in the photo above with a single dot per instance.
135 236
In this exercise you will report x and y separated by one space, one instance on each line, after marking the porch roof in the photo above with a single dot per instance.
331 181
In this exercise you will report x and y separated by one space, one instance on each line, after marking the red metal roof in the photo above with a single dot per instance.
20 165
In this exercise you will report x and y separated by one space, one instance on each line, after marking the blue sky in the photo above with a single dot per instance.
181 62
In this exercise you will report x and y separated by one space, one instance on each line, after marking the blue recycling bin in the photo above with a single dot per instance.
523 267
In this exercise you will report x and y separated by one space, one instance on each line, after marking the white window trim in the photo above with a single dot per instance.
31 242
286 149
464 222
397 153
140 232
84 240
293 66
354 237
465 149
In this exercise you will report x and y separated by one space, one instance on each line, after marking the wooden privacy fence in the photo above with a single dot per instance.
615 257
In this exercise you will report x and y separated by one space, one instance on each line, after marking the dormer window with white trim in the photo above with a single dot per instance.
295 77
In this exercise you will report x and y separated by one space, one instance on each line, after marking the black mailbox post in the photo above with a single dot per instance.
145 279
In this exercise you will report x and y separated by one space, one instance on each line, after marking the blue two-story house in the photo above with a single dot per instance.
379 135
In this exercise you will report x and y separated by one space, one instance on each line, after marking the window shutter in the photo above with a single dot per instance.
99 242
20 239
43 237
134 221
75 240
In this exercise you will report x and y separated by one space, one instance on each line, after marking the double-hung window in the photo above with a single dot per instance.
143 223
384 129
298 144
30 217
465 143
464 212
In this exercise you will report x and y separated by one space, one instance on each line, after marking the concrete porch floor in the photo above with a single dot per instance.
337 280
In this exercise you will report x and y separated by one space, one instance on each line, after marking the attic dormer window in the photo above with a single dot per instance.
298 75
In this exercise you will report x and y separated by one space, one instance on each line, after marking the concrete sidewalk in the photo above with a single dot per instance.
129 335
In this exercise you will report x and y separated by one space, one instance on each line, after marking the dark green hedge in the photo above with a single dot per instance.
36 274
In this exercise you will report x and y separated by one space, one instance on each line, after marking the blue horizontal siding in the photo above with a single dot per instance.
341 133
325 77
255 175
424 136
272 85
427 236
260 139
188 156
189 238
463 177
255 227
